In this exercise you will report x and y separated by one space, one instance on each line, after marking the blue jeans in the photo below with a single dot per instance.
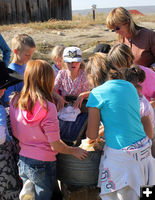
41 173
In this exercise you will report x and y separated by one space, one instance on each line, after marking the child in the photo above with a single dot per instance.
127 162
121 56
56 56
136 76
9 179
23 47
72 84
34 123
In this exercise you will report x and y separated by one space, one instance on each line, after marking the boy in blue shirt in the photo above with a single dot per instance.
23 47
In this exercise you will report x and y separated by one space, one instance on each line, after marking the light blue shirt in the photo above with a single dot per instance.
119 107
15 88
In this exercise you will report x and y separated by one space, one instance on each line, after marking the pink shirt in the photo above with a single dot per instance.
36 131
148 86
68 87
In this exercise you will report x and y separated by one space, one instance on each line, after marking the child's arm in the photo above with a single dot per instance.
93 123
147 124
152 102
60 101
79 100
61 147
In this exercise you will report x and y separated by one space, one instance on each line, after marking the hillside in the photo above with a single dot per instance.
143 9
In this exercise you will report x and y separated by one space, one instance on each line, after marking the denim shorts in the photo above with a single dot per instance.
41 173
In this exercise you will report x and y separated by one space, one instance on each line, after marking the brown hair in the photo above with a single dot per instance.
134 74
121 56
38 85
98 69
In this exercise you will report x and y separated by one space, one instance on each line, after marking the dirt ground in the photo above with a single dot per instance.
86 38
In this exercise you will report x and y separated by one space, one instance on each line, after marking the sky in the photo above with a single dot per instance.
87 4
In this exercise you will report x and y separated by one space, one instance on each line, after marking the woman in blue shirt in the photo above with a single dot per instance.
127 154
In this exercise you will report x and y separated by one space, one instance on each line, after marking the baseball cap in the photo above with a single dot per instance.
72 54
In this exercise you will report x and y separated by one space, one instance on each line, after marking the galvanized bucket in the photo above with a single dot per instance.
73 171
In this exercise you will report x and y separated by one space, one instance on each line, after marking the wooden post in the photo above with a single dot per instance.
93 9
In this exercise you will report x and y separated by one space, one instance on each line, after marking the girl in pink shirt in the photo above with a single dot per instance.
34 123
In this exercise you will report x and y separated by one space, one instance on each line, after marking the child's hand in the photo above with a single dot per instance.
60 104
79 100
79 153
101 131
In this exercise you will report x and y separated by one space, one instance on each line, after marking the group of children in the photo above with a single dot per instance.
45 91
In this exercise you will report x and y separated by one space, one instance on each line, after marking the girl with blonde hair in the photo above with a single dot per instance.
34 123
56 56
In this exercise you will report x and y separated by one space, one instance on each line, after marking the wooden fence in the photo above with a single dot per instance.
24 11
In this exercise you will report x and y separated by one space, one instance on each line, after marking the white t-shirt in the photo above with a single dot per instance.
146 109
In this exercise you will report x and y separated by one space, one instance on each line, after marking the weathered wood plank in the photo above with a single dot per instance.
23 11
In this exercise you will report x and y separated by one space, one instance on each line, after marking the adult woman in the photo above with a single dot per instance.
140 39
115 102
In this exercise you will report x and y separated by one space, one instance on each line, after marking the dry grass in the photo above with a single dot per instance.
78 21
